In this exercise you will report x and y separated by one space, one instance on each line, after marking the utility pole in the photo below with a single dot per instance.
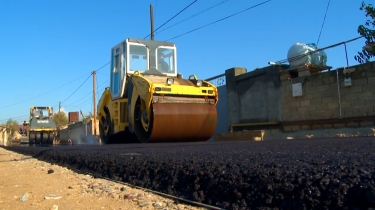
84 120
94 92
59 106
152 21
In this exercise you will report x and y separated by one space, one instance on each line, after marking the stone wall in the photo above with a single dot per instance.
326 103
320 99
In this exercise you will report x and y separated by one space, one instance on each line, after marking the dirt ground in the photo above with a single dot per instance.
26 183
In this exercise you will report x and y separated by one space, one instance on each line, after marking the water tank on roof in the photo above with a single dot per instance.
298 49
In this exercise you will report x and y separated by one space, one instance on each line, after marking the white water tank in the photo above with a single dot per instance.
298 49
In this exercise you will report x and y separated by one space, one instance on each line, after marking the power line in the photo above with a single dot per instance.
88 94
42 93
73 104
27 115
103 74
218 20
14 117
77 88
86 101
194 15
50 90
103 66
173 17
323 23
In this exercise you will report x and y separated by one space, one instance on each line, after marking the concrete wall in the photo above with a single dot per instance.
221 107
265 95
4 136
253 96
90 127
320 98
77 132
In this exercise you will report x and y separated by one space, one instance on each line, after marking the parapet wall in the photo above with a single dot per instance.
253 96
264 97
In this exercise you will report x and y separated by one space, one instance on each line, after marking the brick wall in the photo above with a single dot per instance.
320 95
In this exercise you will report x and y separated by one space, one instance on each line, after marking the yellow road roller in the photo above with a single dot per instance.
149 101
41 128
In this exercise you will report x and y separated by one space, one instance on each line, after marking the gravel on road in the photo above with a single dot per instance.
285 174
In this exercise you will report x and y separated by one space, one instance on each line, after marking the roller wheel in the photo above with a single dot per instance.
142 125
105 129
50 138
31 139
38 138
44 138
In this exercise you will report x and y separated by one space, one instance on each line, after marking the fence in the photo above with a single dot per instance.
218 80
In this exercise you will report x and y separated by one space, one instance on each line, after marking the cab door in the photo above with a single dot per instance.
123 68
116 71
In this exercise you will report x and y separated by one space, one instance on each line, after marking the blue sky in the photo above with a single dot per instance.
49 48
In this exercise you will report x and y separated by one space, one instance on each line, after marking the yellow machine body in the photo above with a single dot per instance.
151 104
41 128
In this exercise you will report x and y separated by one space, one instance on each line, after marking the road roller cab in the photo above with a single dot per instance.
148 99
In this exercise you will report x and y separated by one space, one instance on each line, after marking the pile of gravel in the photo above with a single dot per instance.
286 174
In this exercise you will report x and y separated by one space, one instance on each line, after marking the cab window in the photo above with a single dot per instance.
165 60
138 58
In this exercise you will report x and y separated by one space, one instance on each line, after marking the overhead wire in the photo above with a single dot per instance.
80 87
173 17
19 102
218 20
144 38
85 102
193 16
109 62
42 93
13 118
83 84
324 19
88 94
103 66
102 74
77 89
78 105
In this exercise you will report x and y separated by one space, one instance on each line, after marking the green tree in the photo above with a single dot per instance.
89 116
61 119
368 31
12 124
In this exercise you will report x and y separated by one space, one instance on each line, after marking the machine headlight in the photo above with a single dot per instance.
199 83
170 81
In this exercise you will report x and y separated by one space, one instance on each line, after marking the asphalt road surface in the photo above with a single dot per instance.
285 174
